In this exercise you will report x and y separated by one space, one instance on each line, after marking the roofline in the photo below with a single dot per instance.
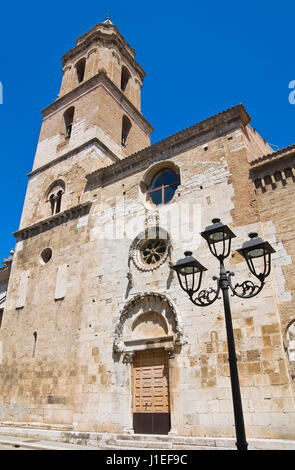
88 85
94 34
229 115
270 158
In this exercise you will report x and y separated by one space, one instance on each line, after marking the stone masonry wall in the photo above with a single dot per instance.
74 377
275 194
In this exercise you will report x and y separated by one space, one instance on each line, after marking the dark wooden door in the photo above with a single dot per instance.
151 410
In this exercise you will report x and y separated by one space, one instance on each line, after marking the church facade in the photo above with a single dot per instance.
96 334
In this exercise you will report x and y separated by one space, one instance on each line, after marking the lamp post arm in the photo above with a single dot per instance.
245 289
205 297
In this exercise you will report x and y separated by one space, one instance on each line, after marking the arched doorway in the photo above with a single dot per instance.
147 335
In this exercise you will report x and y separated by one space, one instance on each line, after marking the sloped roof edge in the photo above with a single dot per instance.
236 112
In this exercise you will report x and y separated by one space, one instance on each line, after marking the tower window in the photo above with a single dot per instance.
54 196
80 68
126 126
58 201
163 187
125 75
68 118
35 342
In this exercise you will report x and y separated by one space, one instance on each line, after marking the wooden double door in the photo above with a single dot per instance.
151 410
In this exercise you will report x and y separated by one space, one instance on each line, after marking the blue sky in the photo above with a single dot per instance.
200 58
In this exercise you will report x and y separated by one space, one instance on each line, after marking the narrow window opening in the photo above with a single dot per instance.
1 316
35 342
126 126
125 76
80 68
68 118
52 203
58 202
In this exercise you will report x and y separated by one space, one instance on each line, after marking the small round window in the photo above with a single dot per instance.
46 255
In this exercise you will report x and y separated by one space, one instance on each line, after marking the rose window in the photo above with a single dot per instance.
153 251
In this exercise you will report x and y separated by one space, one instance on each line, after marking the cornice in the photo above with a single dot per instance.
52 221
71 153
274 157
99 79
236 113
5 270
94 36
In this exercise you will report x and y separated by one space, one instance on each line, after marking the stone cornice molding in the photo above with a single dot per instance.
73 152
113 38
52 221
141 159
269 159
99 79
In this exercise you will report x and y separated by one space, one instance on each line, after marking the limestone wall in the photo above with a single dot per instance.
74 303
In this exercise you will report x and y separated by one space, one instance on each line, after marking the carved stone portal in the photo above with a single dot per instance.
148 320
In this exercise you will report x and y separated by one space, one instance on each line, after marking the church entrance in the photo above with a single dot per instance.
151 409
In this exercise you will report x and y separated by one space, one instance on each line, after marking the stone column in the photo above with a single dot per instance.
175 402
128 360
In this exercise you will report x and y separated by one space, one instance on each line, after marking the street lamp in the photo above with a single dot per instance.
189 272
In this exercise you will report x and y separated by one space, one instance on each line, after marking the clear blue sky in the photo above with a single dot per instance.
200 58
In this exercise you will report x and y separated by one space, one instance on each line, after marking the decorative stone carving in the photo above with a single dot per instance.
128 357
117 56
148 257
137 307
92 51
152 218
130 279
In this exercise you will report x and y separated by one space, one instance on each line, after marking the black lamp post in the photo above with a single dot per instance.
189 272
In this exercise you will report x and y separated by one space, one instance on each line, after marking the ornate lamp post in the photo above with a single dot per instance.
190 271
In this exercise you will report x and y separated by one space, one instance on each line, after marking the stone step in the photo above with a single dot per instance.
175 447
140 444
145 437
155 444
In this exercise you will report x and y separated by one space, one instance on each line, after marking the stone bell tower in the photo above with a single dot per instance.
96 117
100 97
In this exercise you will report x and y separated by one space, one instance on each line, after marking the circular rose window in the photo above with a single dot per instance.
153 251
149 254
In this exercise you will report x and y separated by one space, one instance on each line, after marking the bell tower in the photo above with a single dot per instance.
103 48
94 122
100 97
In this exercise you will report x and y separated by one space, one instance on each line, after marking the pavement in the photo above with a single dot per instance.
21 443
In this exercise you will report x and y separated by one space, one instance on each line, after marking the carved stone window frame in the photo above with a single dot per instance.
150 233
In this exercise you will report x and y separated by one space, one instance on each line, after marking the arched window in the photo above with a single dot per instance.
68 118
126 126
163 186
125 75
80 69
54 196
